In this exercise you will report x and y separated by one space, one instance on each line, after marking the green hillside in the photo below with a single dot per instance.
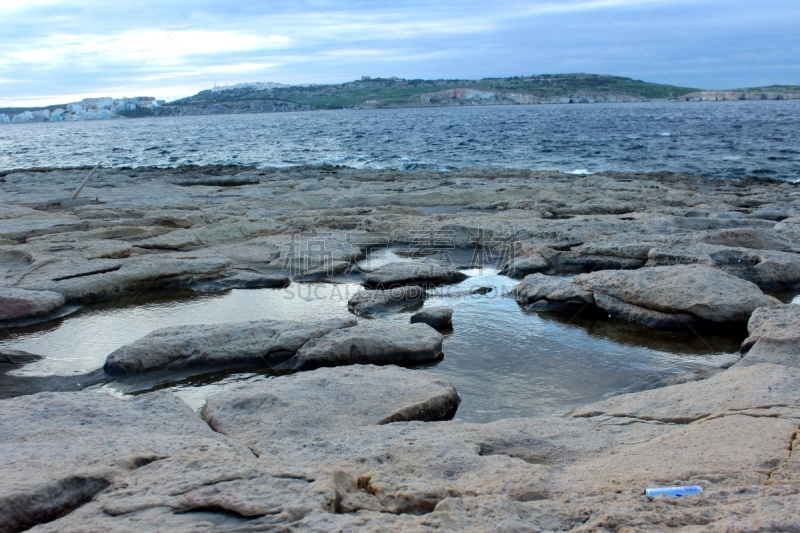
395 92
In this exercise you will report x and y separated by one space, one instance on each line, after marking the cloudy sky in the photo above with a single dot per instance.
54 51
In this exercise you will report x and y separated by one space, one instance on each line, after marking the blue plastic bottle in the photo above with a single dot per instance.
673 492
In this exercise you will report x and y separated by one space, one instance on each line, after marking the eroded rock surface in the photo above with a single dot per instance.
774 336
412 273
384 301
703 292
547 293
438 317
260 342
59 450
21 303
310 404
369 343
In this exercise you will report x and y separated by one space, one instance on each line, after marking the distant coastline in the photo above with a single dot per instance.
383 93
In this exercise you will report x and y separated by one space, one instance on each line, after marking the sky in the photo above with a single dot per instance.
56 52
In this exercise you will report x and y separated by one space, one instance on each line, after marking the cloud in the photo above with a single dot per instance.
58 49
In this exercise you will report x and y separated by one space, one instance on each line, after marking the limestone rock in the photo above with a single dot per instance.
747 389
110 278
261 342
305 405
703 292
195 237
369 343
412 273
771 270
548 260
58 450
774 336
523 266
237 280
642 315
437 317
384 301
548 293
22 303
747 238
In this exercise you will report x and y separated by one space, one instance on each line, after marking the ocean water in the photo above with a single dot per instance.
728 139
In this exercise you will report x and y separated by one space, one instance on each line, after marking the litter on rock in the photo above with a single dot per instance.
673 492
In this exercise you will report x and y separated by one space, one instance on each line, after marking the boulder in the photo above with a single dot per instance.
774 336
384 301
23 303
703 292
438 317
547 293
305 405
369 343
256 343
412 273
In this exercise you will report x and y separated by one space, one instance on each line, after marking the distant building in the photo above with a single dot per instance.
43 115
104 107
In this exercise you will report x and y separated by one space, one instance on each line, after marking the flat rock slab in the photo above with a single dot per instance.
21 303
261 342
438 317
58 450
369 343
237 280
412 273
771 270
381 302
703 292
739 389
305 405
104 279
774 336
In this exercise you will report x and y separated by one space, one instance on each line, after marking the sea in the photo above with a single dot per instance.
724 139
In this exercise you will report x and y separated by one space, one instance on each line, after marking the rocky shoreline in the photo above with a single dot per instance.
345 439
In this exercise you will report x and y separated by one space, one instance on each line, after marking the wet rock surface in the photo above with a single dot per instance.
547 293
384 301
438 317
412 273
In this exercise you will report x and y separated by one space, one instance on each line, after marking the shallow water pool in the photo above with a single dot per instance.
504 361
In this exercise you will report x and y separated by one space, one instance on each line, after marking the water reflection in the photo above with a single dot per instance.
505 362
